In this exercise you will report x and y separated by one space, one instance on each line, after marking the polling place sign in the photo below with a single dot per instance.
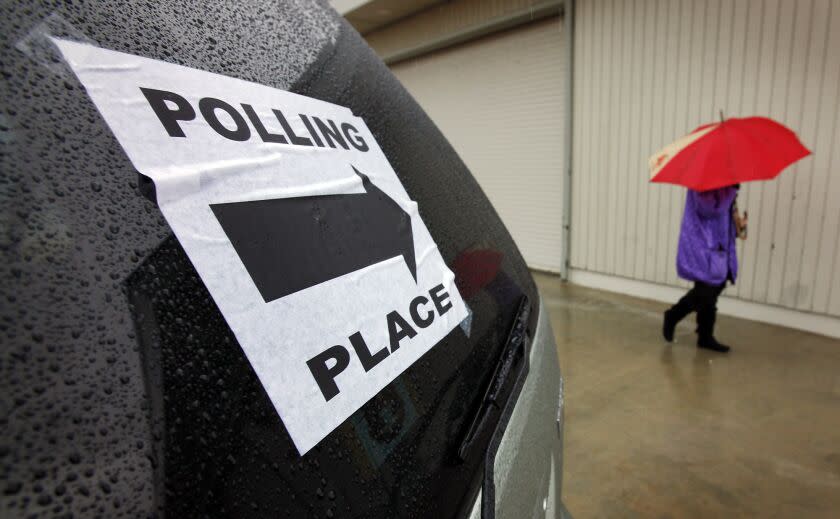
296 223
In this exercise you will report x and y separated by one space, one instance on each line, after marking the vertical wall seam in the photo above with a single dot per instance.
650 144
778 220
772 85
612 174
752 246
825 213
569 22
745 197
823 54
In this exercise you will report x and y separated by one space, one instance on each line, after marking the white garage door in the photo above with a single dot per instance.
499 101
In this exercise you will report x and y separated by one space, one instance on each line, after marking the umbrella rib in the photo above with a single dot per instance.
724 128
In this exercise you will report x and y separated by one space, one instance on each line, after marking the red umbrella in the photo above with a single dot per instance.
726 153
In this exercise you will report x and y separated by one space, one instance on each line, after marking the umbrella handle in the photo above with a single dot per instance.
744 229
740 227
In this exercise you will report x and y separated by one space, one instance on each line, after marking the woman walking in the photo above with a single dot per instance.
707 256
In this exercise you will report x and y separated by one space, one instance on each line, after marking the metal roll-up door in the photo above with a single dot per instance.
500 102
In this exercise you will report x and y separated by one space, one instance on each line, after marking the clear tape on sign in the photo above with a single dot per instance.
39 46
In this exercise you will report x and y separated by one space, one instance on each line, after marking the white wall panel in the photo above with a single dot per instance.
649 71
499 100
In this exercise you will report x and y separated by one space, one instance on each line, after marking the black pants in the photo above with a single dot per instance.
703 300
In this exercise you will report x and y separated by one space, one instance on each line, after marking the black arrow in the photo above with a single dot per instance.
289 244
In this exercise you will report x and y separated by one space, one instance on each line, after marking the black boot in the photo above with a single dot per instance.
706 318
669 324
675 314
710 343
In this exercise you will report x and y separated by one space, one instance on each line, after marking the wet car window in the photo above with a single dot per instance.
125 392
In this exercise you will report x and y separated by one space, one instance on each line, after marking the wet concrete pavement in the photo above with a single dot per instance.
659 430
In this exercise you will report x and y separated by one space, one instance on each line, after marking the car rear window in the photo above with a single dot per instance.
124 388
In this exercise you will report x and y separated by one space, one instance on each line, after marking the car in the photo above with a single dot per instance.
135 381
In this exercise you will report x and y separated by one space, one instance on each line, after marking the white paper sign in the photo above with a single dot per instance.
296 223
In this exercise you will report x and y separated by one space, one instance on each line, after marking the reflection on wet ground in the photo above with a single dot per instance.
658 430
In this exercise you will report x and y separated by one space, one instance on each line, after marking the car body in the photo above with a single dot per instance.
125 391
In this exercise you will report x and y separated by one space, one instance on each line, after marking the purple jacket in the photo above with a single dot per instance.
707 237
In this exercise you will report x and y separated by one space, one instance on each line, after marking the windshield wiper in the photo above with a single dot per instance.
498 390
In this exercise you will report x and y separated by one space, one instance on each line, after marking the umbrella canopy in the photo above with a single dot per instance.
726 153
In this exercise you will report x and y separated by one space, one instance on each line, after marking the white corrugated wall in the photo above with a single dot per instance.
499 101
649 71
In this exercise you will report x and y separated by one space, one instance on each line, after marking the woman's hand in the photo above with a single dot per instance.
740 223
